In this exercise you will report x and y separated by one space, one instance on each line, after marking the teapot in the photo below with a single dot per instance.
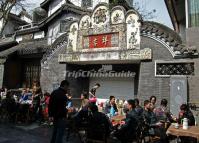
185 124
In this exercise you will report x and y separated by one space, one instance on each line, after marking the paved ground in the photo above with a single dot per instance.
29 134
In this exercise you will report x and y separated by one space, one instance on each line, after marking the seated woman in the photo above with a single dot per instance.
162 112
84 101
153 102
185 112
110 107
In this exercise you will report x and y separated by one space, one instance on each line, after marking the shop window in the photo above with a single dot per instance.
193 11
168 69
87 3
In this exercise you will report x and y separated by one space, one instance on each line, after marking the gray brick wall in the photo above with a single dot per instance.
149 84
193 81
193 84
53 74
192 37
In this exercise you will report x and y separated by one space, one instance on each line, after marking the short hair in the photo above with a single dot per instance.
85 94
64 83
131 102
164 102
137 100
93 107
184 107
98 84
111 97
146 102
152 97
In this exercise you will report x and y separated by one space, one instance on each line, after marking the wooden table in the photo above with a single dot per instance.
116 119
193 131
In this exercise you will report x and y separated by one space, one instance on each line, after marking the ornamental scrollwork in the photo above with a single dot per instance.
100 16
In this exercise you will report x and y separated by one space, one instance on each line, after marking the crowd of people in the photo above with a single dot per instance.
24 105
57 107
150 119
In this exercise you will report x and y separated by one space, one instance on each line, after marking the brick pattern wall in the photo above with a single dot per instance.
193 84
53 74
149 84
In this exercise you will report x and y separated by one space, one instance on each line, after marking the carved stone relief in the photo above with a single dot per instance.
133 31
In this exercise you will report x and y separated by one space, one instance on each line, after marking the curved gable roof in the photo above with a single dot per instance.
168 36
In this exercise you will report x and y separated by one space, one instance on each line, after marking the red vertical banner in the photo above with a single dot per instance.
100 41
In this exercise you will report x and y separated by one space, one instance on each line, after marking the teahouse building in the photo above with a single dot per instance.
114 40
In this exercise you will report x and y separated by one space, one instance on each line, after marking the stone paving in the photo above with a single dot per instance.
29 134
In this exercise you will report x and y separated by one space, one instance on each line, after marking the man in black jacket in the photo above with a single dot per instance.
127 131
155 127
57 111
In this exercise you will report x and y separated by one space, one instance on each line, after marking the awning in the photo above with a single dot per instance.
6 43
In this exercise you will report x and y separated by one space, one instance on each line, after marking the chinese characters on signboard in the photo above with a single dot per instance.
101 41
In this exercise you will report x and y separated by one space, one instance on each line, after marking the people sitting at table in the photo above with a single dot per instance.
111 107
25 96
9 106
155 128
185 112
99 124
162 113
127 129
138 108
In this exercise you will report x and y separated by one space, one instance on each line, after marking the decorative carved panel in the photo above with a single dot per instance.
174 68
106 35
